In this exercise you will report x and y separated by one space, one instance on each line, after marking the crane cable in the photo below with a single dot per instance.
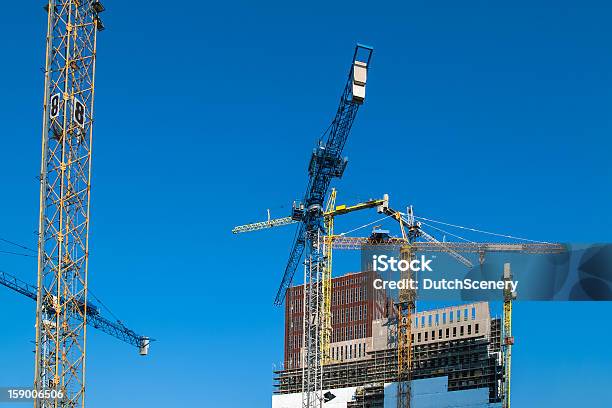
366 225
481 231
17 254
449 233
19 246
33 256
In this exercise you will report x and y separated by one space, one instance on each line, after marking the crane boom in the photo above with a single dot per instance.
344 242
447 249
295 256
326 162
418 232
256 226
94 318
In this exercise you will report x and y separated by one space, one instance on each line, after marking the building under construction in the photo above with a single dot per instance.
456 351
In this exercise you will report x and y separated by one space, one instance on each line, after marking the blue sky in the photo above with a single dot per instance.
480 113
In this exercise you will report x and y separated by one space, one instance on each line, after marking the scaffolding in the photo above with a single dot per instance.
468 363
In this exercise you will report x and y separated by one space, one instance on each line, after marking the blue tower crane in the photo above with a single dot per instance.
94 317
325 164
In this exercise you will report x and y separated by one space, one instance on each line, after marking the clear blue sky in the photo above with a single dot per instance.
480 113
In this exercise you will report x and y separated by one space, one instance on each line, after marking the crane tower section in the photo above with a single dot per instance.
65 180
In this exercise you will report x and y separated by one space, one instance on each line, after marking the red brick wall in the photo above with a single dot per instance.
355 304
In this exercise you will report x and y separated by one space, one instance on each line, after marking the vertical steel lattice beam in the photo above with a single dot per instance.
405 310
312 368
65 181
508 339
326 332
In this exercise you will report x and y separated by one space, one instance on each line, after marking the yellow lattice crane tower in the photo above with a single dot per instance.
406 305
508 339
65 180
405 308
413 240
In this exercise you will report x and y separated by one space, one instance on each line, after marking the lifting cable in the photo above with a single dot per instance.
34 256
366 225
19 246
481 231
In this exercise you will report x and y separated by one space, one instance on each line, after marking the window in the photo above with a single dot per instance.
454 332
419 337
450 315
422 321
412 338
444 318
433 334
425 336
437 319
440 333
458 315
476 328
465 314
461 331
447 330
469 329
473 313
429 320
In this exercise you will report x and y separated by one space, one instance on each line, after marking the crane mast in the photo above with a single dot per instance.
508 339
315 230
326 163
65 180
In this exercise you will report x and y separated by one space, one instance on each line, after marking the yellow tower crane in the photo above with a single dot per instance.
508 339
408 244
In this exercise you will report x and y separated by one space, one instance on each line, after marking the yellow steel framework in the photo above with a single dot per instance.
408 246
405 308
406 305
65 180
326 330
331 211
509 296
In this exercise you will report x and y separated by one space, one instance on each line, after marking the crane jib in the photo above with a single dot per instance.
327 163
